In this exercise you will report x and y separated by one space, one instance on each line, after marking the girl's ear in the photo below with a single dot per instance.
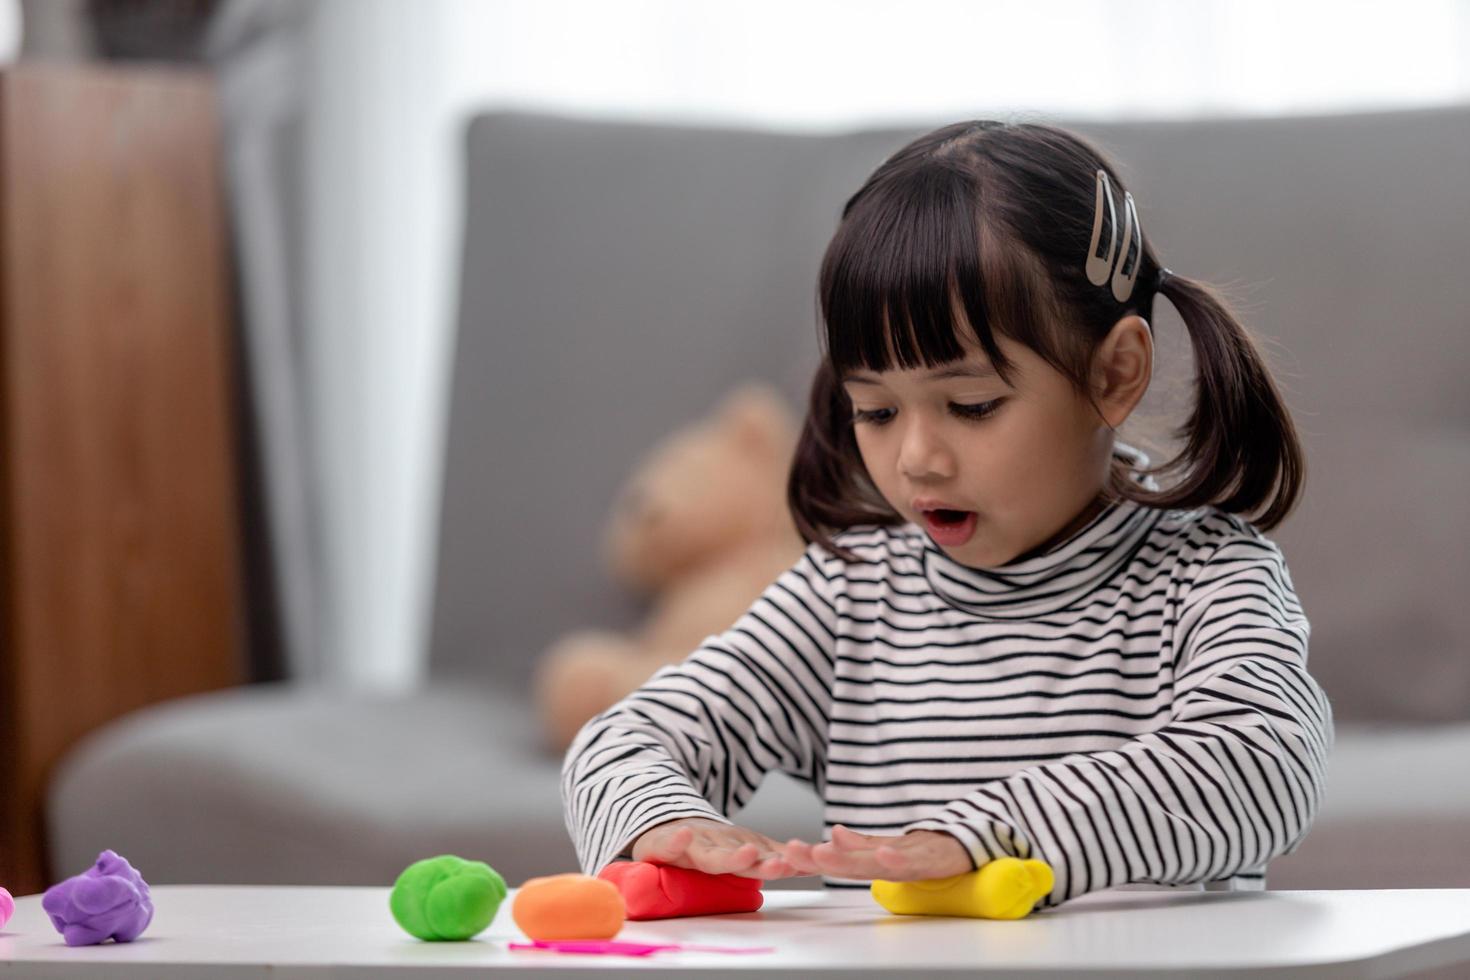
1122 368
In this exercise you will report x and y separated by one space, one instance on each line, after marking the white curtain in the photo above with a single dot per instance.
825 63
9 30
389 83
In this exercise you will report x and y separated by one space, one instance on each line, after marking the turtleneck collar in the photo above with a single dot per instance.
1056 578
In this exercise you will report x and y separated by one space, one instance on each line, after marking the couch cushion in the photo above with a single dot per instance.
1394 814
277 784
272 785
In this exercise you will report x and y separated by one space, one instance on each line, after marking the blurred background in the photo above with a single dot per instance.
367 100
300 179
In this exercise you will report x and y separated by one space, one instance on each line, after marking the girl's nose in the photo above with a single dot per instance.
923 455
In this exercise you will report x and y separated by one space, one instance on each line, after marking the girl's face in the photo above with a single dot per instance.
1021 467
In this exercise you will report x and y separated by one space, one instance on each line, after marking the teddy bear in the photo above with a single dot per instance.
700 529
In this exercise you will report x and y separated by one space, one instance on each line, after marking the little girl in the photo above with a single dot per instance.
1004 637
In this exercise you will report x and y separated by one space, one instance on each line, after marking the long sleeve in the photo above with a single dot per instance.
1233 778
697 737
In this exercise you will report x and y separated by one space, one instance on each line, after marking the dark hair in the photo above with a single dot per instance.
995 220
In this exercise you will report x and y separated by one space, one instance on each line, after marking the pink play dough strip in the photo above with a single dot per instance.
613 947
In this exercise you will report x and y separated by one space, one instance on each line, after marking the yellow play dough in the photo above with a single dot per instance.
1005 888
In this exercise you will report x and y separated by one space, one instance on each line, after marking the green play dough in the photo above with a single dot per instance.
446 897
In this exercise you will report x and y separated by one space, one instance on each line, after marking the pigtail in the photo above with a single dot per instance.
1241 450
828 489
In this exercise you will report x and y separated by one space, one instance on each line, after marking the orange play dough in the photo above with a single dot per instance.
569 906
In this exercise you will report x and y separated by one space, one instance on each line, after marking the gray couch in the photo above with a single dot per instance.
618 278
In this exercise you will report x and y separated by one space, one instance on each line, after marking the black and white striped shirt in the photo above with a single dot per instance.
1132 706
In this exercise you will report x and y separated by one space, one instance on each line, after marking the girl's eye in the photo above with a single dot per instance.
882 416
873 416
980 411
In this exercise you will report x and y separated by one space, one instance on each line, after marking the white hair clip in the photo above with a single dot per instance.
1117 262
1127 272
1100 263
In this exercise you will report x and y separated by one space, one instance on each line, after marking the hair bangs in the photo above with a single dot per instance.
901 283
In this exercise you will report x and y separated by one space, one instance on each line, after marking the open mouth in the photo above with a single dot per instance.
950 527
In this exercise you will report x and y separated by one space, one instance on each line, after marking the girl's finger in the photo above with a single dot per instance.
798 857
670 847
773 867
798 854
844 864
850 840
828 860
894 861
822 858
720 860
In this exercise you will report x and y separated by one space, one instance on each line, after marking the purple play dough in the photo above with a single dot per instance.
108 900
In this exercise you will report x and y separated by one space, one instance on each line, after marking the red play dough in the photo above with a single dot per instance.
659 891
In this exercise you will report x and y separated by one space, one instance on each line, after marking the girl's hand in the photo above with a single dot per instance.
919 854
712 847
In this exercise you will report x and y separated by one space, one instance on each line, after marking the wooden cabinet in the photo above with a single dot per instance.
120 579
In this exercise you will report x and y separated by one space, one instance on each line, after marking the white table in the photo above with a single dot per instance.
228 932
